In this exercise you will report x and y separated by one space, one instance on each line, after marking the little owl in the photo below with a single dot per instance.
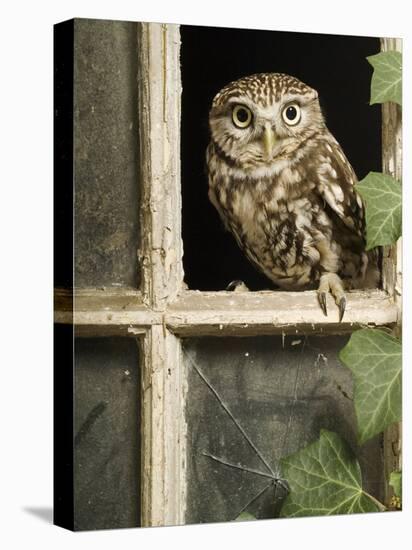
283 186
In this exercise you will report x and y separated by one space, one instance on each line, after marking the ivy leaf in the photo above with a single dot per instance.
375 359
245 516
324 479
382 196
395 481
387 77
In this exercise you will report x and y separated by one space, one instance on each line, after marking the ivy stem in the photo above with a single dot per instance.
382 507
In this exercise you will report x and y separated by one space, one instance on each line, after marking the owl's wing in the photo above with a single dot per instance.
336 179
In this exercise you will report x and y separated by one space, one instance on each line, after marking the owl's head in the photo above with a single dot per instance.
259 119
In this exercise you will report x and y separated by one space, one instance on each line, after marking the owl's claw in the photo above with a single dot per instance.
331 282
342 307
237 286
322 302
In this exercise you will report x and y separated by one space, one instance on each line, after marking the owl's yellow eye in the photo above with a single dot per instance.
241 116
291 114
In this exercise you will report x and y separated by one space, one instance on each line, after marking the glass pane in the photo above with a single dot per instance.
107 434
106 153
279 392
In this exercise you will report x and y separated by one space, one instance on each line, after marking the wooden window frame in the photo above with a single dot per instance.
164 311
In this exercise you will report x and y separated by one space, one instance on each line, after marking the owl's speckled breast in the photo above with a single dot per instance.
276 222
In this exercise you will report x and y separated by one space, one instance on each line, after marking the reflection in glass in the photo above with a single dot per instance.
107 433
105 153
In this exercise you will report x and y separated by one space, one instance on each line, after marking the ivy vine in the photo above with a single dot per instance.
325 477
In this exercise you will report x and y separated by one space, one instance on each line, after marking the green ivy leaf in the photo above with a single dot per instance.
387 77
325 479
245 516
382 196
395 481
375 359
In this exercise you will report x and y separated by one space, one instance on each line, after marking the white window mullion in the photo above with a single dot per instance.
163 429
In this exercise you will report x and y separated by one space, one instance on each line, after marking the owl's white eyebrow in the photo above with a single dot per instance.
301 100
243 100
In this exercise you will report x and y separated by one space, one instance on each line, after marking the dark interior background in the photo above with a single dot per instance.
336 66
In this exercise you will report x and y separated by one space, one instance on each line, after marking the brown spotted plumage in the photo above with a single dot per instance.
283 186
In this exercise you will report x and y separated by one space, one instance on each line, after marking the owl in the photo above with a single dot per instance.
285 189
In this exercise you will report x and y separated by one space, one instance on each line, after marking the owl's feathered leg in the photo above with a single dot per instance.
331 282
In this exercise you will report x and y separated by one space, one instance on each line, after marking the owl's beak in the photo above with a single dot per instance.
269 141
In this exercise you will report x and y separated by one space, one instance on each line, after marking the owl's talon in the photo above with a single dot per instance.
322 302
331 282
237 286
342 307
233 284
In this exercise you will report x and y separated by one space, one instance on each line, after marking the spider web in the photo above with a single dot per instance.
273 475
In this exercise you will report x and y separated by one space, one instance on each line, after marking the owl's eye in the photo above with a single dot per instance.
241 116
291 114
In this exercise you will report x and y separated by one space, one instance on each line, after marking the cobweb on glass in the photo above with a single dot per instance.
272 474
